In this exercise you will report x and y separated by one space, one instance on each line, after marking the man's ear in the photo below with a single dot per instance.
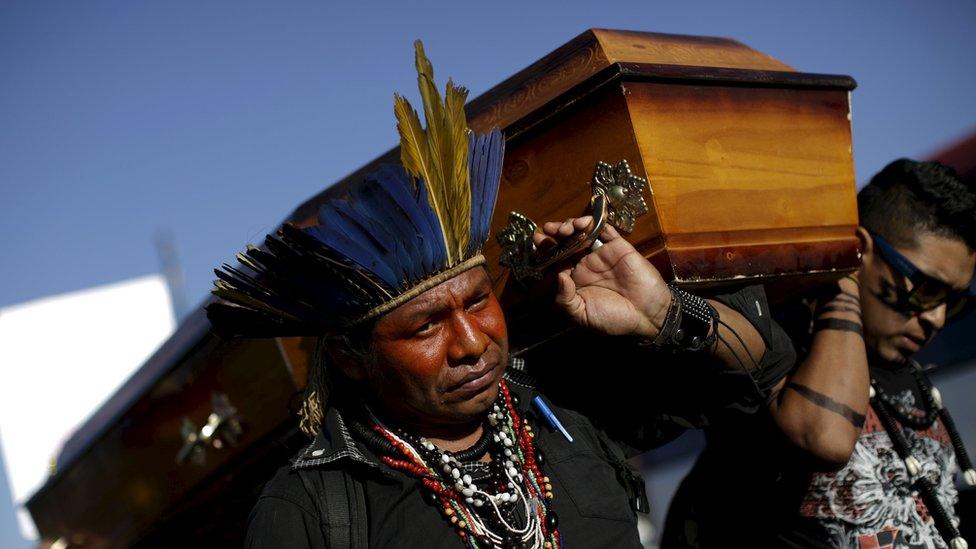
865 243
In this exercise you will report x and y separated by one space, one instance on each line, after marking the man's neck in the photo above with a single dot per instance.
448 437
458 440
875 361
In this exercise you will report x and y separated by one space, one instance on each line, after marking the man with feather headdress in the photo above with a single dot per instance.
426 433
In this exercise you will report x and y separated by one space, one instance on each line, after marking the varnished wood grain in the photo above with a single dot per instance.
620 46
130 478
747 183
540 85
732 168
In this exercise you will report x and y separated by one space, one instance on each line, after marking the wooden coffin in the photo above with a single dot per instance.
751 178
118 478
749 163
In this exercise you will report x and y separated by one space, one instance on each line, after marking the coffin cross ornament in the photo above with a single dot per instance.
617 199
223 428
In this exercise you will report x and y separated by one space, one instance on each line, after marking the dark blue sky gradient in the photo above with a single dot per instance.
212 120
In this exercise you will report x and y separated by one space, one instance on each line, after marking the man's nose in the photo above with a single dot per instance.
469 340
935 319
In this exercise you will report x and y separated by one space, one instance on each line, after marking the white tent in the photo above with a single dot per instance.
61 357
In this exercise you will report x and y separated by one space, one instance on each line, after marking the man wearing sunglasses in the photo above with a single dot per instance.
857 449
911 304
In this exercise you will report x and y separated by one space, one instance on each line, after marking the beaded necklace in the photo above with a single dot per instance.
510 506
886 407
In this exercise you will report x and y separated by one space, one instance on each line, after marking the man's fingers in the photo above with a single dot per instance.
609 233
551 227
542 240
568 227
566 289
575 225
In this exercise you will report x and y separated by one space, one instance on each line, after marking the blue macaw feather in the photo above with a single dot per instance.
297 275
436 234
381 239
392 230
411 218
370 213
349 239
412 196
485 161
332 269
326 295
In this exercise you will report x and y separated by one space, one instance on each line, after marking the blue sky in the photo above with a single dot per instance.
210 121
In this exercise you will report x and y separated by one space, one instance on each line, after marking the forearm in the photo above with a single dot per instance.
737 342
821 407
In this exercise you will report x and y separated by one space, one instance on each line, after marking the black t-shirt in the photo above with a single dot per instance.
593 506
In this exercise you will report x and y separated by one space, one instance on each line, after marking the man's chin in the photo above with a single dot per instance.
896 355
477 405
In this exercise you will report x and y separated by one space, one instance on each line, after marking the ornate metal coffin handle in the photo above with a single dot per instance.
617 198
223 427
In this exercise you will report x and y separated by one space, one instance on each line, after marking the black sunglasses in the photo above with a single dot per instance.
927 292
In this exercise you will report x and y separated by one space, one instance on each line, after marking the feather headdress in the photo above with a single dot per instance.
395 234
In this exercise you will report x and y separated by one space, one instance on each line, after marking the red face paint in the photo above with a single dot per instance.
439 357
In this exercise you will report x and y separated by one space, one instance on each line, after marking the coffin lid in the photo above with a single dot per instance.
595 58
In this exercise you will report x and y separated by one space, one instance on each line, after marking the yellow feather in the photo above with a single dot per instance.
438 144
460 176
439 154
413 143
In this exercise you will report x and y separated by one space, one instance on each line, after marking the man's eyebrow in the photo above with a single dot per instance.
480 290
433 308
941 280
425 311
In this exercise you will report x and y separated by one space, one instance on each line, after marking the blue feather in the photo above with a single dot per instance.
486 153
347 238
400 187
370 210
385 228
375 233
395 226
437 244
392 199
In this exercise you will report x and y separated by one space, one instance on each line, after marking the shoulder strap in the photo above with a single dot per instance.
341 502
627 475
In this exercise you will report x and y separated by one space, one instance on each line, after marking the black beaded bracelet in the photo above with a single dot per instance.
690 324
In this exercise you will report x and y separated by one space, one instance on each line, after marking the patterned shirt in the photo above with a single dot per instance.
869 504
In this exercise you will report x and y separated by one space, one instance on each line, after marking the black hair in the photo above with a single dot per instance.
908 197
325 386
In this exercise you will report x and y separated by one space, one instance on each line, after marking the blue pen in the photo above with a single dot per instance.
550 417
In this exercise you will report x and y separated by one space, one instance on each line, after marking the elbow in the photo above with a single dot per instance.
831 455
824 447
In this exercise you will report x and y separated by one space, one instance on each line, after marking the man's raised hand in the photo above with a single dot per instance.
613 289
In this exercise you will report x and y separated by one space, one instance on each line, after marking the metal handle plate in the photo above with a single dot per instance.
617 198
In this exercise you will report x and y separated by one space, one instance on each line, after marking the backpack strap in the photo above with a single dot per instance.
341 502
627 475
